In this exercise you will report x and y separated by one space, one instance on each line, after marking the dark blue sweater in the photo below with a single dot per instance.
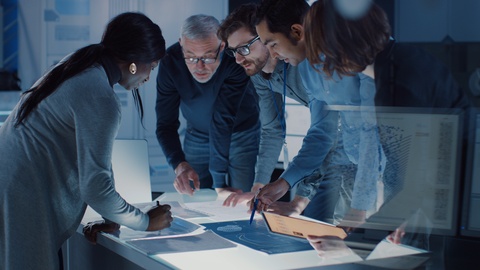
225 104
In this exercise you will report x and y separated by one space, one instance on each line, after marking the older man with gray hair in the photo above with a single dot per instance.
219 104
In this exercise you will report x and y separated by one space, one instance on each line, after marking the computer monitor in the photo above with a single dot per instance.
423 147
470 220
131 170
422 176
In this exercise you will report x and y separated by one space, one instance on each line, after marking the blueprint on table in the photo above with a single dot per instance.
178 227
257 236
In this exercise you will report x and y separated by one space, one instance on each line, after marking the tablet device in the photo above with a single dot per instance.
300 227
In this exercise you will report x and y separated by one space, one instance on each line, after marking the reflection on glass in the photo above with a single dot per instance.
423 148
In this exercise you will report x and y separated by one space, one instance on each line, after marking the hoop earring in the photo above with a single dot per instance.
132 68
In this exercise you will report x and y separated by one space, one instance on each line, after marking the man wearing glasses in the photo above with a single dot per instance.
273 80
219 104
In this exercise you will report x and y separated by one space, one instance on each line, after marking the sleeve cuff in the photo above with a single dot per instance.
292 174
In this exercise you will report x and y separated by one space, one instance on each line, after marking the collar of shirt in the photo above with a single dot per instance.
111 68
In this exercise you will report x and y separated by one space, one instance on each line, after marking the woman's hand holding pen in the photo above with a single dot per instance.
269 194
160 217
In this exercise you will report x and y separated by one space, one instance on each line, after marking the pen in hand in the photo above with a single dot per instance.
255 203
253 210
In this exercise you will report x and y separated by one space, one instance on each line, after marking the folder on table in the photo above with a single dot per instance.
299 227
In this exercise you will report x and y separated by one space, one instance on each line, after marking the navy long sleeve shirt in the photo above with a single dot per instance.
227 103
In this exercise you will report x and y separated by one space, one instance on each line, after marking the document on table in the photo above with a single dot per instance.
205 241
386 249
177 209
396 256
218 212
182 211
179 228
177 238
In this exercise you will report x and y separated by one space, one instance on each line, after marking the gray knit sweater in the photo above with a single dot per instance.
54 164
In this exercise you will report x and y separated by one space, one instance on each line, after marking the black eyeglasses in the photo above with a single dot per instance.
191 60
242 50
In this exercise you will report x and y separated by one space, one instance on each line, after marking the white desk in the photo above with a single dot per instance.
241 257
112 253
